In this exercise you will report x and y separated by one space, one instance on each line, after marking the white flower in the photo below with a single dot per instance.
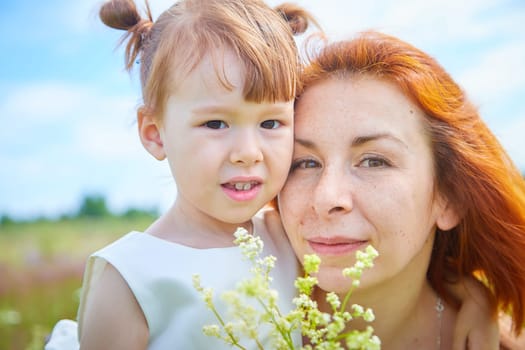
252 305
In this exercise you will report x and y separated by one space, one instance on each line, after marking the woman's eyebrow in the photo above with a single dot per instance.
357 141
361 140
305 143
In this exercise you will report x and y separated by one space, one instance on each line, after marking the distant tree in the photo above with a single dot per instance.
93 206
133 213
6 220
66 217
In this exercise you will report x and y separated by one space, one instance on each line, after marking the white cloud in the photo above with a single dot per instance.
93 123
41 102
342 18
424 23
106 129
445 21
107 140
79 16
511 136
497 73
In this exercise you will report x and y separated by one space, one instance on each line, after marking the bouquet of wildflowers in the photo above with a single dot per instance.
253 306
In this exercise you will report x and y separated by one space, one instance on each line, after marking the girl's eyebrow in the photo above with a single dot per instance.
213 109
220 109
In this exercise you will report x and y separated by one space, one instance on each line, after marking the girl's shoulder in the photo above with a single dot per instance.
158 276
112 309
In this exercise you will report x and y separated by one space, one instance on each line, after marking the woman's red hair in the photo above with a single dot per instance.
472 169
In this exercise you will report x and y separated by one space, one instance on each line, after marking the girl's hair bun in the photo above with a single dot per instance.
298 18
123 15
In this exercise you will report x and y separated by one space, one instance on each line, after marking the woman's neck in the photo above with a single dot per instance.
405 318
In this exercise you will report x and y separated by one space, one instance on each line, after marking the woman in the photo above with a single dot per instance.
390 152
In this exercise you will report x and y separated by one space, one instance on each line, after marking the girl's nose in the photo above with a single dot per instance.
246 148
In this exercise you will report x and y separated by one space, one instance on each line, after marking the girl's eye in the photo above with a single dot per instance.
270 124
215 124
305 164
374 162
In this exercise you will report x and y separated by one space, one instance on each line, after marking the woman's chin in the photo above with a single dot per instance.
332 280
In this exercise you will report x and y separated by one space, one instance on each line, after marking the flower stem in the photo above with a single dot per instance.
345 301
284 333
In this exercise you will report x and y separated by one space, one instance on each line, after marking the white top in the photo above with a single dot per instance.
159 273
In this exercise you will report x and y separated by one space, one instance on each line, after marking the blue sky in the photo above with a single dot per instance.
67 106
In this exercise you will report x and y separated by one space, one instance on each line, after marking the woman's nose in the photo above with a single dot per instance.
333 193
246 148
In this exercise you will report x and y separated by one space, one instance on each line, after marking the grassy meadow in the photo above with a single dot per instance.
41 267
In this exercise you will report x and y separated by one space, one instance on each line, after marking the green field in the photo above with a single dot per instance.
41 266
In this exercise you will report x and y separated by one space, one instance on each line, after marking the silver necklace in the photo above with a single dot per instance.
439 310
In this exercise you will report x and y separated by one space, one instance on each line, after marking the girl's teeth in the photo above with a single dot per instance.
243 186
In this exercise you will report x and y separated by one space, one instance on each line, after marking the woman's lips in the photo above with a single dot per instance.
335 245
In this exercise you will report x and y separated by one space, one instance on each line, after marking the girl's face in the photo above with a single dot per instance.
229 157
362 173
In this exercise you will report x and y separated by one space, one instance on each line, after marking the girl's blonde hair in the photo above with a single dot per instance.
173 45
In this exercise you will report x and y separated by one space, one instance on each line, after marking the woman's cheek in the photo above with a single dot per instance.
290 200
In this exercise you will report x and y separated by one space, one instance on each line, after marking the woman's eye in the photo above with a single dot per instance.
305 164
270 124
374 163
215 124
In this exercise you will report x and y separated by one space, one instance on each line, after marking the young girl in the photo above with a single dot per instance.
218 81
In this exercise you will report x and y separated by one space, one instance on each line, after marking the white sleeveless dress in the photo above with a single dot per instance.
159 273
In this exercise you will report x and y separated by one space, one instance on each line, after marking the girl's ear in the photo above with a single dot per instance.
448 218
150 136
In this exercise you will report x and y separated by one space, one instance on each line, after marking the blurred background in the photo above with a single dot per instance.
74 176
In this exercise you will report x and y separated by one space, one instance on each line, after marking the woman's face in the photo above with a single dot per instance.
362 173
